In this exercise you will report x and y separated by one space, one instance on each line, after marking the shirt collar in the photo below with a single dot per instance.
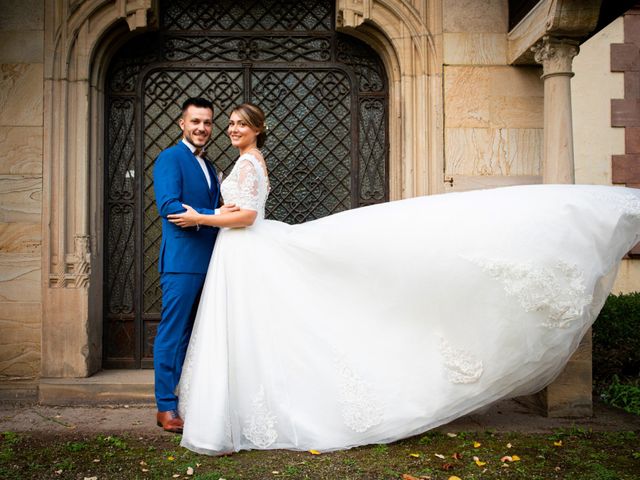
192 147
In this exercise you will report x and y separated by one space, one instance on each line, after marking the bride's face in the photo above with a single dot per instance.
242 135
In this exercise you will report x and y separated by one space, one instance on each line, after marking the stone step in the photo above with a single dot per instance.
105 387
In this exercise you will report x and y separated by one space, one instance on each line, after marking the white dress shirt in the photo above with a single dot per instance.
203 166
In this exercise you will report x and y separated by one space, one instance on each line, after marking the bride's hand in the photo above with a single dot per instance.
186 219
229 208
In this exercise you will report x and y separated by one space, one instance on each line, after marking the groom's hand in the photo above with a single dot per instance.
229 208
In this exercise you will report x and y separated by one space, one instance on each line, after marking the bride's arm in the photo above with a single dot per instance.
246 205
240 218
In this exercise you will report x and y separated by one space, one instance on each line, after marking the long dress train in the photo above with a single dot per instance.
382 322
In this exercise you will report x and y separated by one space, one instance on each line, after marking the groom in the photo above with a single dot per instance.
181 174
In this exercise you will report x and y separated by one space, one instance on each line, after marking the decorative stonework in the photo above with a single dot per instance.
556 55
77 38
77 268
573 19
404 33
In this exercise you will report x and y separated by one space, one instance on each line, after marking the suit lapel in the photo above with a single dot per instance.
212 174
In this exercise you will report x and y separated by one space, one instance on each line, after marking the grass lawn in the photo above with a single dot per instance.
566 454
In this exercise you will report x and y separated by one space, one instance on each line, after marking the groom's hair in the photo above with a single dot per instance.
196 102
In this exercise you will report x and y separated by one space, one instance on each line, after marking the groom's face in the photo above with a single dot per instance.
196 124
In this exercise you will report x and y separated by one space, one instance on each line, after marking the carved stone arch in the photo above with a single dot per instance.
401 33
77 36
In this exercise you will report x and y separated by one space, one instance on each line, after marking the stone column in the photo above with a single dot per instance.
556 56
570 394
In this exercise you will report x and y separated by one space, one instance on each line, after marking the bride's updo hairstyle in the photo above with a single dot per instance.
253 116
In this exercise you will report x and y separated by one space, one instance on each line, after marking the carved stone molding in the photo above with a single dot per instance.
77 267
558 18
407 35
555 55
76 40
72 32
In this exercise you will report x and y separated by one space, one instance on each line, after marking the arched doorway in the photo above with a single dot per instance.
326 99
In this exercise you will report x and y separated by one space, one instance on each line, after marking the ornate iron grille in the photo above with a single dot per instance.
325 97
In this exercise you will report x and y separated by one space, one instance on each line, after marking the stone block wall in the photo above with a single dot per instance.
493 113
21 141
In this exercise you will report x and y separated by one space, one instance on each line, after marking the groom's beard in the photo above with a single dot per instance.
199 148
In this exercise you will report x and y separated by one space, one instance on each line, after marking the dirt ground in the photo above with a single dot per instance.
505 416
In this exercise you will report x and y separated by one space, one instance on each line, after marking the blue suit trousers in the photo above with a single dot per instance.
180 298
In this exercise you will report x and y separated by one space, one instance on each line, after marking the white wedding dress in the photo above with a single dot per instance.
382 322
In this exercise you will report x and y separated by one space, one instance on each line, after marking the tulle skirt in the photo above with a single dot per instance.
382 322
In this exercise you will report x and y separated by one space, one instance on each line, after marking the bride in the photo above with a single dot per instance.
382 322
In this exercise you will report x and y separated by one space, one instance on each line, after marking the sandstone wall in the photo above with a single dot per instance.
21 137
493 113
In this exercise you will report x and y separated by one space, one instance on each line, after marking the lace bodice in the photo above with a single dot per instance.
247 185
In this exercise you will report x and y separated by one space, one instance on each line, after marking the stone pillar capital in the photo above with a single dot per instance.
556 55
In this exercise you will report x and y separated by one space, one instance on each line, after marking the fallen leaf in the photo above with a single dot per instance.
145 470
189 470
275 472
96 460
509 445
90 478
452 435
479 462
447 466
457 456
504 465
476 444
171 459
406 476
453 477
142 462
175 475
198 464
558 443
314 452
516 458
439 455
414 455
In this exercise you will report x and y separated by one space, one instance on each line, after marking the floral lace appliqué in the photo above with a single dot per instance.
360 408
259 428
559 290
461 366
247 186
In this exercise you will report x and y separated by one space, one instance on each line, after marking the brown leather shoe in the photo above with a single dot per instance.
170 421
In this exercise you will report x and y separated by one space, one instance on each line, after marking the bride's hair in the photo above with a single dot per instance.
254 117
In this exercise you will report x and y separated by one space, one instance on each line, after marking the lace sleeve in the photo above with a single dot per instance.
247 186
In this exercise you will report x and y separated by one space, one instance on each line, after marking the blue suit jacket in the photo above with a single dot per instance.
177 179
